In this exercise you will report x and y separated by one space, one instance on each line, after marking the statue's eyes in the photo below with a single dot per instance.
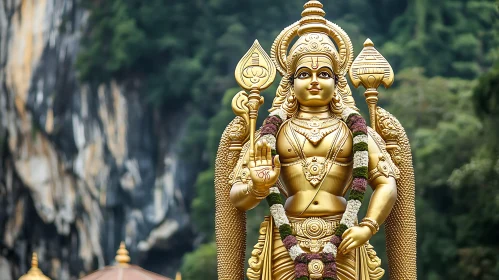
324 74
303 75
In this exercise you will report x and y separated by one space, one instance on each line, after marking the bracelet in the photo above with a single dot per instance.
371 227
371 224
257 194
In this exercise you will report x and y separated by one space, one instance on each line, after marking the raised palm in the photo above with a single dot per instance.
264 169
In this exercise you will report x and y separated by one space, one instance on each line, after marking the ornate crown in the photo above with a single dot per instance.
315 37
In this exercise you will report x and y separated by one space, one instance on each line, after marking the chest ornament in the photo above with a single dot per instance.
314 169
315 129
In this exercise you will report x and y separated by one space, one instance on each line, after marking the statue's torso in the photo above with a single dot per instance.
329 199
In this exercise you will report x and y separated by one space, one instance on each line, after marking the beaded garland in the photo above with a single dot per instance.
358 127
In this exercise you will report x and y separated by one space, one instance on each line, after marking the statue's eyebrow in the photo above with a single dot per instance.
327 67
304 66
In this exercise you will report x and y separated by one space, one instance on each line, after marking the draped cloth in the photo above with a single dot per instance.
271 261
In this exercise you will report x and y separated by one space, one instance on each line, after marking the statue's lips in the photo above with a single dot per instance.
314 90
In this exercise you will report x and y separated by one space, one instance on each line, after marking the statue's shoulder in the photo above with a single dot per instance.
281 142
283 128
344 127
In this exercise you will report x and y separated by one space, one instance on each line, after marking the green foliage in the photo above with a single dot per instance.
340 230
356 195
285 231
453 38
274 198
456 174
486 94
203 205
200 264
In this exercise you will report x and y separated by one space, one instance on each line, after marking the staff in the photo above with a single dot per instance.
371 70
254 73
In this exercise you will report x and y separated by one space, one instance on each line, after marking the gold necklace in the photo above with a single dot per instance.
314 168
315 129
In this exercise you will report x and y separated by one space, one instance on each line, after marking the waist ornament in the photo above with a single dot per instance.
312 233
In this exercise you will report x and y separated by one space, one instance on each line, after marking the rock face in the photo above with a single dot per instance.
82 166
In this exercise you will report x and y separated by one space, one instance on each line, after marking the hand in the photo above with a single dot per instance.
262 173
354 237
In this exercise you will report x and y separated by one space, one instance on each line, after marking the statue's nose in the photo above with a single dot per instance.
314 79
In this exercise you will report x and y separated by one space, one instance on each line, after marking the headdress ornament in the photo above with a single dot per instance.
315 34
313 22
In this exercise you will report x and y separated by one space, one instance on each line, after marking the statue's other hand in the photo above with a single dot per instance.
264 169
354 237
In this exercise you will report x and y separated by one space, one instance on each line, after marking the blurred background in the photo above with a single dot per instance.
111 113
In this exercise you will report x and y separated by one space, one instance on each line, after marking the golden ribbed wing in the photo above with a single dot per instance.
400 227
230 223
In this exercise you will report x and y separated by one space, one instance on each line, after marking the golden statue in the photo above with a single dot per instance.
316 151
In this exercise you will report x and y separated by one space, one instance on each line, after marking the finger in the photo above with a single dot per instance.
264 153
345 234
351 247
343 249
342 244
251 162
347 245
258 156
269 154
277 163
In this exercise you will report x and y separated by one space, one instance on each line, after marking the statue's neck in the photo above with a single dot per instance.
306 112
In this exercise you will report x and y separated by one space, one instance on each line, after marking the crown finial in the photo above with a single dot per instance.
368 43
312 18
122 256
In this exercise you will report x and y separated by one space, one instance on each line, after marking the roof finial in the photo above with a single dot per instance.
178 276
34 260
34 273
122 256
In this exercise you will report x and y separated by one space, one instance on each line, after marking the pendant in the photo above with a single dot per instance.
314 170
315 269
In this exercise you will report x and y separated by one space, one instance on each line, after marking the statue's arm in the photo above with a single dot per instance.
382 176
240 194
242 198
255 177
382 181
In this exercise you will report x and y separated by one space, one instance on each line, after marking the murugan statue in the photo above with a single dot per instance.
311 161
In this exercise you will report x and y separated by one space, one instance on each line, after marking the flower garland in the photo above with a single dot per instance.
358 127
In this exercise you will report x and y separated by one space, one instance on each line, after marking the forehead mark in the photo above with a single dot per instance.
316 65
314 62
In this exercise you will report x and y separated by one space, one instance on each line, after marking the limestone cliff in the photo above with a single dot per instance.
81 166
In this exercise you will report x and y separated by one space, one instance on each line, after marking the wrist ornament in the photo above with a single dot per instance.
256 193
371 224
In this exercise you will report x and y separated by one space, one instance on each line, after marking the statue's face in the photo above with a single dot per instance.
314 80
